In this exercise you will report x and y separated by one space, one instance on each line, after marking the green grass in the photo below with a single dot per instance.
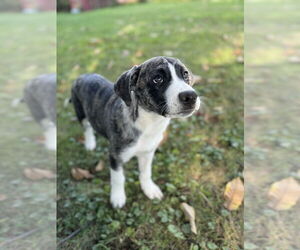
27 49
201 154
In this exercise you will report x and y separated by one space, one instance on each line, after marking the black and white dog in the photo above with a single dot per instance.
133 114
40 97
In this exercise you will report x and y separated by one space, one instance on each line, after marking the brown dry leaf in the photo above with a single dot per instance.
110 64
80 174
76 67
196 79
294 59
238 51
234 194
259 110
100 166
95 41
284 194
139 53
212 118
97 51
214 80
189 213
3 197
80 139
240 59
38 174
205 67
40 139
219 109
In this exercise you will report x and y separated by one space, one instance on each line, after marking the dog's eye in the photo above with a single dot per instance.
158 79
186 76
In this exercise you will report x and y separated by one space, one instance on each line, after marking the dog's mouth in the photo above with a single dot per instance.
186 111
182 113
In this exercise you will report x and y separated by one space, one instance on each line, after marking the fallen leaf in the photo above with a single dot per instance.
110 64
234 194
205 67
95 41
196 79
76 67
189 213
80 139
214 80
40 139
294 59
290 51
139 53
80 174
270 37
153 35
38 174
125 53
219 109
240 59
238 51
3 197
168 53
284 194
97 51
100 166
225 37
212 118
259 110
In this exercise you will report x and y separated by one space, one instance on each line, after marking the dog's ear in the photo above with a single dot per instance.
126 84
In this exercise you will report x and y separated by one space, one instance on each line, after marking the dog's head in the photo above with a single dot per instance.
162 85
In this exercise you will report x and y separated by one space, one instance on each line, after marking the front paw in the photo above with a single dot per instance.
90 144
117 199
151 190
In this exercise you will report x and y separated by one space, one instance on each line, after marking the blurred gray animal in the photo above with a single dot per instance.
40 97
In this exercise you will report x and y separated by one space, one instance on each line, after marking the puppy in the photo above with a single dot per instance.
40 97
132 114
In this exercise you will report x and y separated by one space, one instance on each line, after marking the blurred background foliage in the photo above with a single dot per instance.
10 5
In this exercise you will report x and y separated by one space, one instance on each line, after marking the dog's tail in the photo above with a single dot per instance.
15 102
67 101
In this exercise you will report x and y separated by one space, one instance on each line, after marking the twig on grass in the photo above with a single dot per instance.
23 235
77 231
206 199
69 236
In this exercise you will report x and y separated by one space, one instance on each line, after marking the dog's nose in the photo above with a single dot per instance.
188 97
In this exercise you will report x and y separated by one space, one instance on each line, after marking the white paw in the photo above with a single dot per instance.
50 138
50 146
151 190
118 199
90 143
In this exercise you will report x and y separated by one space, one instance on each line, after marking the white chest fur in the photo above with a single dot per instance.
152 127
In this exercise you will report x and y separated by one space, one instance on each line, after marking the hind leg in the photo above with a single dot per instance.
89 136
49 133
40 116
